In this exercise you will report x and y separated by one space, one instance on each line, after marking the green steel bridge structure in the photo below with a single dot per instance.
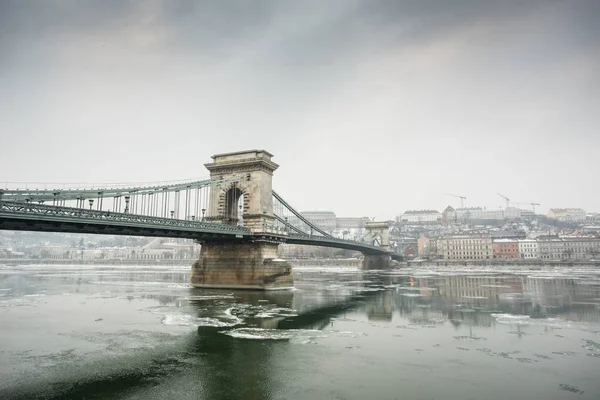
178 209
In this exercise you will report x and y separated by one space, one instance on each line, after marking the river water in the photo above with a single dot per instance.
143 333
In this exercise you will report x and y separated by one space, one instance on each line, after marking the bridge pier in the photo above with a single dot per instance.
372 261
235 265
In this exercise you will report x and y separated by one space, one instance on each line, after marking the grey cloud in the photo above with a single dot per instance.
358 97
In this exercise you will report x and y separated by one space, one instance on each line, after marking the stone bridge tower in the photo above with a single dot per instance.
242 264
250 199
378 233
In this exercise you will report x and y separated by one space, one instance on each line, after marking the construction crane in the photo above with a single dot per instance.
505 198
532 204
462 199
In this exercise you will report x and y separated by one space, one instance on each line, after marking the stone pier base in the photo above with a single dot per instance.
377 262
241 266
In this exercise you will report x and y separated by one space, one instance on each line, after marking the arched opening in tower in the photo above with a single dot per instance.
234 206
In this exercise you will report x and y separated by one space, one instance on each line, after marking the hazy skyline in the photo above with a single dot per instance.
370 107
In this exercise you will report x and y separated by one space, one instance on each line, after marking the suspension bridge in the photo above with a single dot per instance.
235 215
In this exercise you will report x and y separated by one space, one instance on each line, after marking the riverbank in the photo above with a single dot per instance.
72 261
317 262
501 263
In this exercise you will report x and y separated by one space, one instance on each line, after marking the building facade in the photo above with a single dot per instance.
474 213
325 220
506 249
581 248
427 247
421 216
528 249
567 214
551 248
466 247
569 248
351 222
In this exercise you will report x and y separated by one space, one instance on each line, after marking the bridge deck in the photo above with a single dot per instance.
38 217
45 218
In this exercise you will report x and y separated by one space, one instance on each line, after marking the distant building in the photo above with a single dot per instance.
449 215
567 214
507 234
569 248
351 222
581 248
325 220
421 216
551 248
592 217
506 248
528 249
466 247
514 213
475 213
526 213
427 247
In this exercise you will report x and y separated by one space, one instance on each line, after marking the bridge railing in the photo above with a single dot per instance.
82 186
32 211
290 220
335 242
183 200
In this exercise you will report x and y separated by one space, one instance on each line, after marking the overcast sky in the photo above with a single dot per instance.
370 107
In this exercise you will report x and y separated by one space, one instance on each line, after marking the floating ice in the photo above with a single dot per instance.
211 297
564 353
569 388
591 346
295 335
511 319
525 360
469 338
277 312
273 334
188 320
491 353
